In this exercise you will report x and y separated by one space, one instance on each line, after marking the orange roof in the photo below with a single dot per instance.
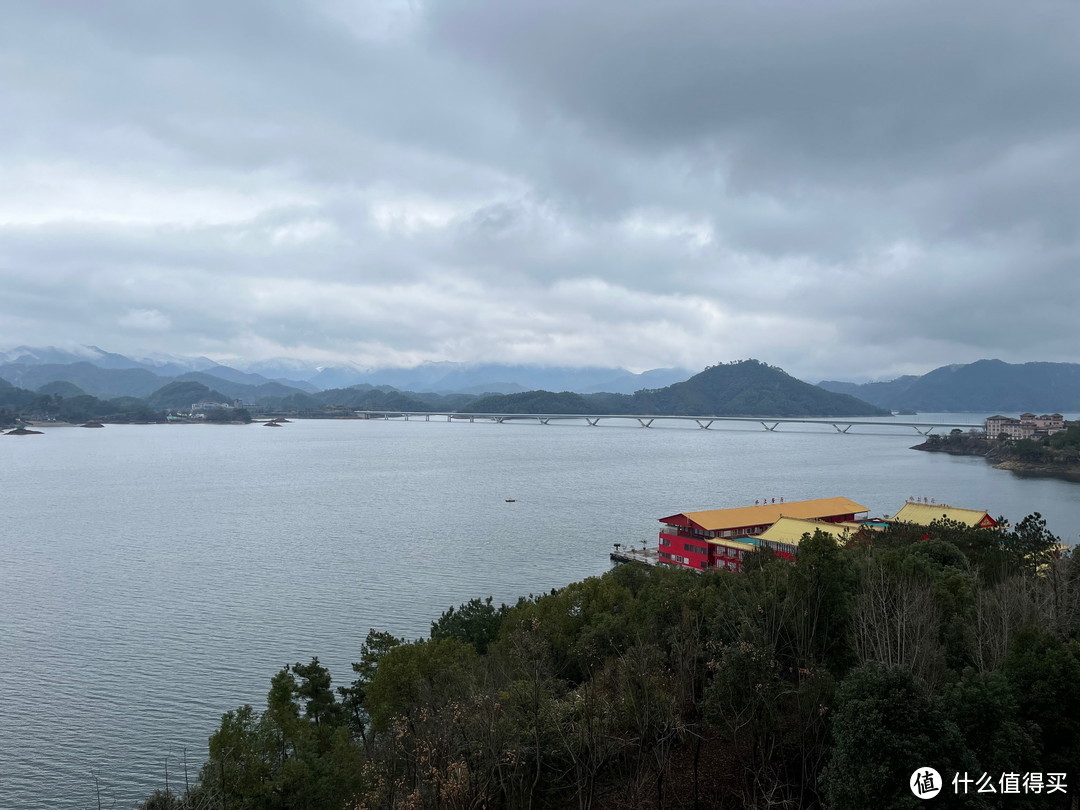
740 516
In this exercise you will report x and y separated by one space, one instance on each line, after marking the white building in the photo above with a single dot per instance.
1028 426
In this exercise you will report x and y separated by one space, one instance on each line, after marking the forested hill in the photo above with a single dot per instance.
749 388
985 385
742 388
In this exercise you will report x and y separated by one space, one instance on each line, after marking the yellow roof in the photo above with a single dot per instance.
791 530
718 519
730 543
923 514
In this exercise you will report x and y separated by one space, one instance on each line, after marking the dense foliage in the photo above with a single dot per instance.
819 683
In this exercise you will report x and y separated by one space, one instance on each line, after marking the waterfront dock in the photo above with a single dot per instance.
639 555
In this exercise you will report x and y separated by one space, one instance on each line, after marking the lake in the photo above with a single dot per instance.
153 577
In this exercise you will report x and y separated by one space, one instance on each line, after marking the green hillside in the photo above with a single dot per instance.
742 388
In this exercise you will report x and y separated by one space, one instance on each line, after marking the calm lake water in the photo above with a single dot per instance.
153 577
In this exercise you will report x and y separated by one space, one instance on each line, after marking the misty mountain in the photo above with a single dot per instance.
50 355
104 383
876 393
180 395
440 377
248 379
237 390
982 386
628 383
496 377
61 388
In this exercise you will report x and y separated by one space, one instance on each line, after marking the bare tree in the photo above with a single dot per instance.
897 623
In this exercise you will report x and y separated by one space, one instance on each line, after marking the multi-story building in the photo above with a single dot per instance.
1028 426
720 538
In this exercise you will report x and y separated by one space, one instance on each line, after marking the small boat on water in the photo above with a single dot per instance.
511 500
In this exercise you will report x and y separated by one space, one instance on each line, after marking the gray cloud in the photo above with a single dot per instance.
840 188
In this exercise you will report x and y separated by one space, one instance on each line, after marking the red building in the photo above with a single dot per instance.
720 538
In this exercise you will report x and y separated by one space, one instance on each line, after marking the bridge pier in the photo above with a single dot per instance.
593 422
766 425
703 426
543 421
645 422
845 430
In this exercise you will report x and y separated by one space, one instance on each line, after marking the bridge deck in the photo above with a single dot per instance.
840 424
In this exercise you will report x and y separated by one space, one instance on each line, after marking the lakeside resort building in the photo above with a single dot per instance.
1028 426
721 538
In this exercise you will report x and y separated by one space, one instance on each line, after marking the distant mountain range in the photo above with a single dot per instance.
983 386
106 374
82 390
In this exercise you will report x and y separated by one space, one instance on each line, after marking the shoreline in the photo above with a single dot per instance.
1066 471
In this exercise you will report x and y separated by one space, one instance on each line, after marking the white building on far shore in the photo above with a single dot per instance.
1028 426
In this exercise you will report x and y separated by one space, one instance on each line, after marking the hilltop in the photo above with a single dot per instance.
739 388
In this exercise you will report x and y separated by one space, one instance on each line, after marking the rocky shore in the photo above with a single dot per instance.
1004 455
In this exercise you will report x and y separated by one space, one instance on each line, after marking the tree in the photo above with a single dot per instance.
1044 671
985 709
423 675
1031 545
354 697
476 622
885 726
320 705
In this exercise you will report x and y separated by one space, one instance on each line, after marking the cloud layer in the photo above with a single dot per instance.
845 189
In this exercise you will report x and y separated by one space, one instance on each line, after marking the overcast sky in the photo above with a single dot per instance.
843 188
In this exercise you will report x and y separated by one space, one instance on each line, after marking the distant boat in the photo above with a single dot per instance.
92 424
511 500
271 424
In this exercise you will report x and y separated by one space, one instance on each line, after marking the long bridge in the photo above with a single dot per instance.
648 420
